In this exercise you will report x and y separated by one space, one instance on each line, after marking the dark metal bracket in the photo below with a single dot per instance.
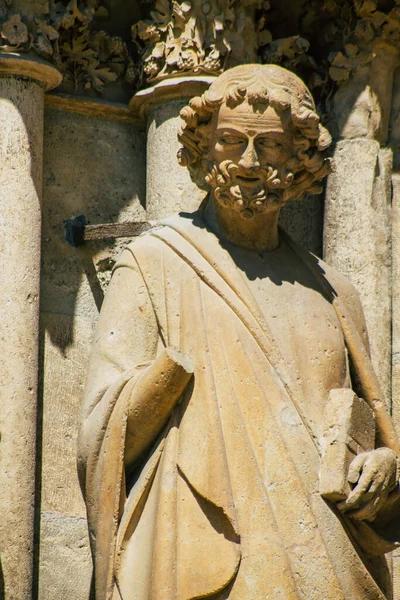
78 232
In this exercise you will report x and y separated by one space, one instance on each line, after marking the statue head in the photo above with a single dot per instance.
254 138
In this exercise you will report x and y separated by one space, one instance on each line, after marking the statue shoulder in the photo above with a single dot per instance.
144 247
189 226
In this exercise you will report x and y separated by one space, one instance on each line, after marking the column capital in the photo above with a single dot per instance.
168 89
31 67
198 37
70 36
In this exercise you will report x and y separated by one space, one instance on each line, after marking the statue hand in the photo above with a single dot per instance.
375 476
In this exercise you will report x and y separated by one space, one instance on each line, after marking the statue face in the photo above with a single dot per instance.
250 147
252 137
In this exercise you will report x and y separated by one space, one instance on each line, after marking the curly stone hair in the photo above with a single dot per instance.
259 84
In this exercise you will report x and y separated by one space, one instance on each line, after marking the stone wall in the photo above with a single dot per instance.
95 167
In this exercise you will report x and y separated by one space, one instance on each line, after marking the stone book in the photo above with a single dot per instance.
349 430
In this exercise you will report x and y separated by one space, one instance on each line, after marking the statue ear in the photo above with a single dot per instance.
325 138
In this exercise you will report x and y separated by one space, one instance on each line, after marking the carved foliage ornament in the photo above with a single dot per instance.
372 28
354 29
181 37
335 37
60 32
199 36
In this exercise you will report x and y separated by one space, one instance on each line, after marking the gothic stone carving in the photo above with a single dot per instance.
334 40
61 33
199 36
360 27
219 345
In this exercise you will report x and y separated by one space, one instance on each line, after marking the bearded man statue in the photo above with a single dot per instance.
219 344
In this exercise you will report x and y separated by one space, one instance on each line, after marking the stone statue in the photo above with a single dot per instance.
219 347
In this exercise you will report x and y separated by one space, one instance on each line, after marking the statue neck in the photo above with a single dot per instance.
259 233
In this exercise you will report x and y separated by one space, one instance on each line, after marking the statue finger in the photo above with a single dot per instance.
359 493
356 467
369 511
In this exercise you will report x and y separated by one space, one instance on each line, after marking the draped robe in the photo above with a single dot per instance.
225 502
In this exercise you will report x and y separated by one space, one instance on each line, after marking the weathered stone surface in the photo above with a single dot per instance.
303 222
357 109
349 430
396 299
65 563
94 167
66 346
169 188
395 221
395 567
21 142
357 233
362 104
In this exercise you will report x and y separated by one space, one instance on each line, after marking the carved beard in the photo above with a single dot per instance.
265 193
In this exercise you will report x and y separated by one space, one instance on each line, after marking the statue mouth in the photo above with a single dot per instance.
248 180
247 213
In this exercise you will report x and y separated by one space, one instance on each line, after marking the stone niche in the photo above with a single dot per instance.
104 141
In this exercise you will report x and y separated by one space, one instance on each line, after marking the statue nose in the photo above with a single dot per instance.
249 159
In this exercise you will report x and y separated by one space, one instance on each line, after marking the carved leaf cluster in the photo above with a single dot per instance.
91 59
63 36
336 37
198 36
287 52
352 30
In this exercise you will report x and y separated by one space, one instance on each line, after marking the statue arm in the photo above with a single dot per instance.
127 364
374 503
153 398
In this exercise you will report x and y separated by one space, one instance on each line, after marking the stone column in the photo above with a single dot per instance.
23 82
358 199
169 188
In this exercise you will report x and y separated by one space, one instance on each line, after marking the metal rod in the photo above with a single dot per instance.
77 232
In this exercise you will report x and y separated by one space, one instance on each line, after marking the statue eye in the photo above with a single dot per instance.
269 144
230 140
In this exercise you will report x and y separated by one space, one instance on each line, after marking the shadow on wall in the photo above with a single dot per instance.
2 589
303 221
94 167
